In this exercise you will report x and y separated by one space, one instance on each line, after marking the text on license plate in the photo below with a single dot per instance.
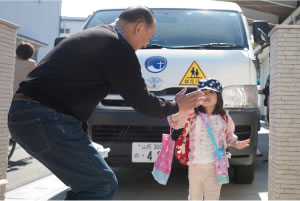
145 152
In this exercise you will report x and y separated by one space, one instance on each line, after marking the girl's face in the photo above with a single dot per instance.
210 98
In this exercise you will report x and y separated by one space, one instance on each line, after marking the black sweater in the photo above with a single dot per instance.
83 68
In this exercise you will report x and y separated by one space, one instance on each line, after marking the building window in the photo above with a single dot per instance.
67 30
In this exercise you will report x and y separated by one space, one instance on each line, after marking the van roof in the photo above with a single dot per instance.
177 4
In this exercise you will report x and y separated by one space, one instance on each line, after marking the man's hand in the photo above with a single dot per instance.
187 102
260 92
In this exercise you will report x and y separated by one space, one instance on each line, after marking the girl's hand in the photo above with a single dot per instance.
242 144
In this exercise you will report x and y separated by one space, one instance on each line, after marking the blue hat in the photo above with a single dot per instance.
210 83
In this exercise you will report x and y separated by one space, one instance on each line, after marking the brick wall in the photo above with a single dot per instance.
7 68
284 139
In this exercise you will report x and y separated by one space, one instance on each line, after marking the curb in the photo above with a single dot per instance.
43 189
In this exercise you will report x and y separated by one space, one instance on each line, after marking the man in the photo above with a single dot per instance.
60 94
266 91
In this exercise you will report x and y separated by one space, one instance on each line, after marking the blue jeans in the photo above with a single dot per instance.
58 141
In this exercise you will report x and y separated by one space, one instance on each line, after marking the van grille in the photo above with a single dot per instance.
243 132
131 133
147 133
169 91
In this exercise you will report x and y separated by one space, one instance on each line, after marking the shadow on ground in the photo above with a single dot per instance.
14 165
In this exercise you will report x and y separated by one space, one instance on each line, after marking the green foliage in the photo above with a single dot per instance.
254 45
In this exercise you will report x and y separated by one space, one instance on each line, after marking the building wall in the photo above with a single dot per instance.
258 15
73 24
7 69
38 19
284 138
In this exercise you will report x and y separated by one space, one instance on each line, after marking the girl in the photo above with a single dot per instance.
202 159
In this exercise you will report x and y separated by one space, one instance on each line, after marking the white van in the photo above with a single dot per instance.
193 40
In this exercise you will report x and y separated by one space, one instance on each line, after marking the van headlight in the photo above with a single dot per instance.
240 96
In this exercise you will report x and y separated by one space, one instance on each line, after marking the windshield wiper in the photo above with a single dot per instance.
153 46
223 45
208 46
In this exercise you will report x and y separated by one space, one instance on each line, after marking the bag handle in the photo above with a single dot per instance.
187 125
225 118
171 130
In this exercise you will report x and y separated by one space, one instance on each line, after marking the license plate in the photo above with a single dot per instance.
144 152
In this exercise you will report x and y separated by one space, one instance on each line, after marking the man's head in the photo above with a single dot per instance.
138 24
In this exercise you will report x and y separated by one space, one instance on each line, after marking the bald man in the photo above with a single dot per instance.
50 106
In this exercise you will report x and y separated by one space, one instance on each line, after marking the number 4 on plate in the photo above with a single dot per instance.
150 156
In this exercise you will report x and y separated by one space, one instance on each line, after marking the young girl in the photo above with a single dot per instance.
202 165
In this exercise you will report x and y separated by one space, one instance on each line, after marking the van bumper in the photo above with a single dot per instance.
118 129
246 126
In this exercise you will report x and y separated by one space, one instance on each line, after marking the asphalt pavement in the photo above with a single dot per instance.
51 188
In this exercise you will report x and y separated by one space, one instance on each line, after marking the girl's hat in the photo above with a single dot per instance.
210 83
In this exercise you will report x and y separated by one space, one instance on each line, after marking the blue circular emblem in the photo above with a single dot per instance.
156 64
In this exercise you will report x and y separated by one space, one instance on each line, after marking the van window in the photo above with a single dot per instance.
185 27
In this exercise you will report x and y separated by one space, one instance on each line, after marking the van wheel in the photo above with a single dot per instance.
244 174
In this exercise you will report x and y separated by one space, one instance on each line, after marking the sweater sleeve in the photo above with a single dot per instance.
123 72
178 120
231 138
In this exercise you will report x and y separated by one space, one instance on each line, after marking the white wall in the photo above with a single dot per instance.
7 71
38 19
74 24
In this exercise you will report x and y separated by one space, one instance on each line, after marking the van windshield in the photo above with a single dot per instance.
186 27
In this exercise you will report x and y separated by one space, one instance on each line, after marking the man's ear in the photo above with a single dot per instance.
139 27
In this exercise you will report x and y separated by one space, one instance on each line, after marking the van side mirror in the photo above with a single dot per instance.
260 31
58 40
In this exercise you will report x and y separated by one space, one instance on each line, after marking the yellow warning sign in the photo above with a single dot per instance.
192 76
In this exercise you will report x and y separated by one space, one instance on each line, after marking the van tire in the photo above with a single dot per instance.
244 174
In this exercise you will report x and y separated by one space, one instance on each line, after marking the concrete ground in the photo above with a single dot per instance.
139 185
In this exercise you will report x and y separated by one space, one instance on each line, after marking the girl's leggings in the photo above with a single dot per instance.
203 182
